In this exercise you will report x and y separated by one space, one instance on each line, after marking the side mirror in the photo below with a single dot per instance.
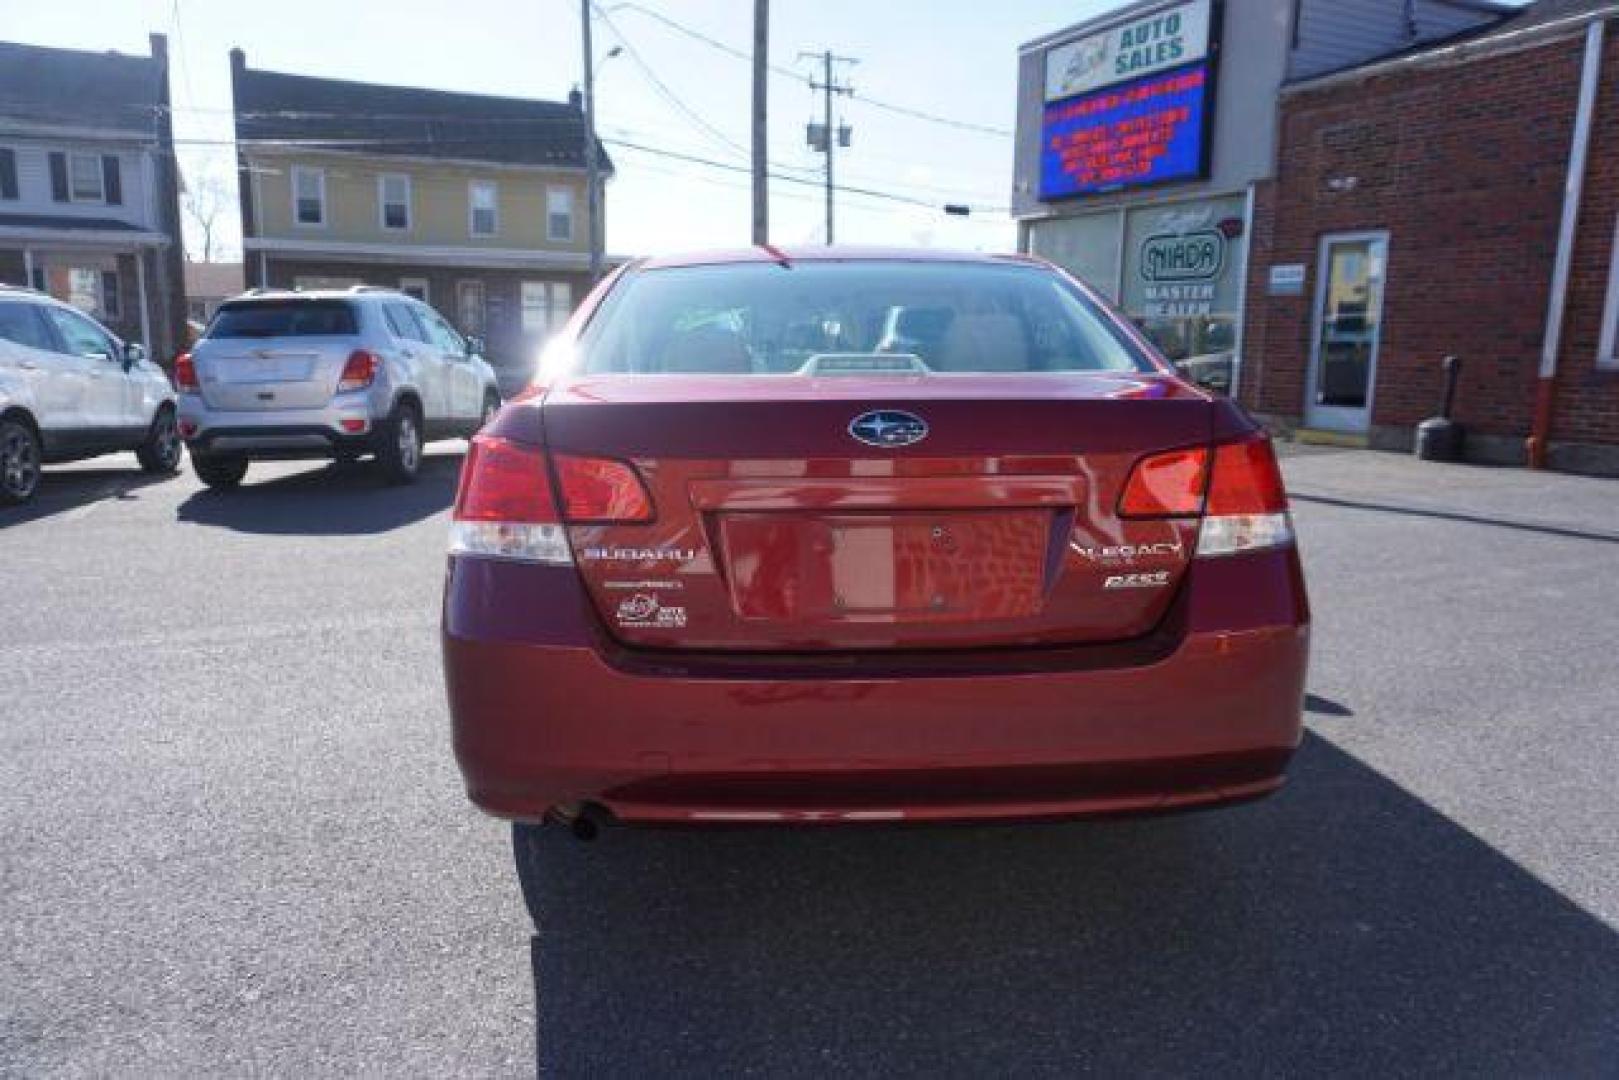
474 345
134 353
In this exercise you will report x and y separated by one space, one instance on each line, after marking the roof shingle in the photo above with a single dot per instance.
336 114
71 88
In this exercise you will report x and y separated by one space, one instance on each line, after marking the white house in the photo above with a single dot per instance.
89 203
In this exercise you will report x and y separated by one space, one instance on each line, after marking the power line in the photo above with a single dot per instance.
798 77
918 114
675 155
730 50
307 114
668 94
180 51
729 167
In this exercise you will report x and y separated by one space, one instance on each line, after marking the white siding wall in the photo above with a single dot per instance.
1335 34
34 182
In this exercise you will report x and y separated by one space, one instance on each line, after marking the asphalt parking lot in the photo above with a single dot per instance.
232 839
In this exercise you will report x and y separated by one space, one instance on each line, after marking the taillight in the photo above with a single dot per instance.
1247 504
505 507
1169 484
185 373
601 490
358 371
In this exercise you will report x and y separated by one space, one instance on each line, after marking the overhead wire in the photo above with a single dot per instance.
800 77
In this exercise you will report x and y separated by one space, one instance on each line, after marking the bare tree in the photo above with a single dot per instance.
204 198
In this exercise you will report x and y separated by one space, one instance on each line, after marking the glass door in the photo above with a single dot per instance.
1348 327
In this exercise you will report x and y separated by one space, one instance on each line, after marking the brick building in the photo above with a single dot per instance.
1438 202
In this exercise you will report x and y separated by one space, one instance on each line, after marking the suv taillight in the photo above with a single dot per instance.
358 371
506 508
185 373
1236 486
1247 504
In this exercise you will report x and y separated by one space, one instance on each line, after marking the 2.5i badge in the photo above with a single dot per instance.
644 609
1157 579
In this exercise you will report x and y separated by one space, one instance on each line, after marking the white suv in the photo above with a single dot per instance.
328 374
70 389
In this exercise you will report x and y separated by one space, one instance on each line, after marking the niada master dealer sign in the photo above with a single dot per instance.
1129 105
1183 260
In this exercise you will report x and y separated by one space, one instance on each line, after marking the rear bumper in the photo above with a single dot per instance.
279 433
545 712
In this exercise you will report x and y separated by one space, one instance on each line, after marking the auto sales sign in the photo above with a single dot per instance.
1129 105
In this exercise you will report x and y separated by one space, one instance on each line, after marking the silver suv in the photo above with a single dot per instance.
70 389
328 374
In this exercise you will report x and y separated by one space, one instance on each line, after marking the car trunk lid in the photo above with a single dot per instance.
776 529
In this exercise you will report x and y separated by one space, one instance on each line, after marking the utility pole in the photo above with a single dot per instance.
592 167
825 138
761 61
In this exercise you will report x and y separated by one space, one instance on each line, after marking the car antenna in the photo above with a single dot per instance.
779 255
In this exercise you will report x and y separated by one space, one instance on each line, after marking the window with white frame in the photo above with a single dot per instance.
483 198
393 196
86 180
559 213
308 195
1608 343
546 306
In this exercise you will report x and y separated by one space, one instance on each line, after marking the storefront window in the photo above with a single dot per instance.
1178 275
1183 267
1086 246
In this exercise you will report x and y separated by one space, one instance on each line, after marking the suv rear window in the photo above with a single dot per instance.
283 318
768 319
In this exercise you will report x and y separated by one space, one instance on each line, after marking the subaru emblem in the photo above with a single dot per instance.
888 428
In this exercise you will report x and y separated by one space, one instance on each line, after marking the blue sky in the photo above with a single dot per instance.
954 58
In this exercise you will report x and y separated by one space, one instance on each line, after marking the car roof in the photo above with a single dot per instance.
22 293
770 253
363 292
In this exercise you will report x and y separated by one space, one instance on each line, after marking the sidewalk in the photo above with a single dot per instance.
1400 483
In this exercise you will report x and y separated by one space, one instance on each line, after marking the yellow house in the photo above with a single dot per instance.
474 203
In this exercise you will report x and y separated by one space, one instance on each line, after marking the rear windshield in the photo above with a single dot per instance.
768 319
282 318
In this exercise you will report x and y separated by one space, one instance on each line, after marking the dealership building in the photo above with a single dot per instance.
1145 136
1310 204
1458 199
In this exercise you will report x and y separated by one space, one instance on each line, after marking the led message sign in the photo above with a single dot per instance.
1130 104
1143 132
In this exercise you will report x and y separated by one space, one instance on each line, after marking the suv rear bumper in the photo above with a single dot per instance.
279 433
288 442
546 713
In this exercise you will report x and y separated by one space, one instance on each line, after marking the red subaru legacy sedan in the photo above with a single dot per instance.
847 536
